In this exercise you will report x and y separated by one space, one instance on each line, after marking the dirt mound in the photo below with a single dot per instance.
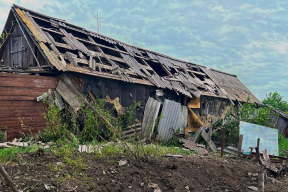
191 173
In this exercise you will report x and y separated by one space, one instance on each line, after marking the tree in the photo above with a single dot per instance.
276 101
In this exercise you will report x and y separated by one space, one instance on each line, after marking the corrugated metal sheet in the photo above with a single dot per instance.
165 61
18 101
182 119
150 115
133 64
178 86
132 50
169 121
109 40
152 55
74 43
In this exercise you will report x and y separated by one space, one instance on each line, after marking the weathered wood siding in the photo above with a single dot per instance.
17 53
212 109
18 101
282 125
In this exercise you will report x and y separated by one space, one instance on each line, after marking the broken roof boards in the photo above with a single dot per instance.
67 47
268 138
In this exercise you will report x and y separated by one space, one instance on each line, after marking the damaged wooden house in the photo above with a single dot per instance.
39 52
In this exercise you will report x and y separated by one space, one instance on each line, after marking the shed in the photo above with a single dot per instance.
39 48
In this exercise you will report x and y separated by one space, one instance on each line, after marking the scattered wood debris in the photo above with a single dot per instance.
123 162
253 188
7 179
89 148
177 156
193 146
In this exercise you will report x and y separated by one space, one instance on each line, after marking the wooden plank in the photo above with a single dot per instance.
30 93
13 75
208 140
68 95
38 117
70 58
266 156
23 82
105 75
193 146
26 124
63 45
196 135
17 98
32 104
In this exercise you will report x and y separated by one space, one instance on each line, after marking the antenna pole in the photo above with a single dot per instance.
98 22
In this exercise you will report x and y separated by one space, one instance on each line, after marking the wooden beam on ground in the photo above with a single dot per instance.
196 135
208 140
8 179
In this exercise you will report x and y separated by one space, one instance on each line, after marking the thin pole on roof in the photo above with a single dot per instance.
98 22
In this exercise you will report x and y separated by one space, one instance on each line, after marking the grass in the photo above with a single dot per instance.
70 156
74 159
141 150
12 153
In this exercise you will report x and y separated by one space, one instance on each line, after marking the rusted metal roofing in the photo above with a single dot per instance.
71 48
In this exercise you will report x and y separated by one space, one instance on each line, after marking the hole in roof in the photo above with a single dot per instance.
173 71
201 77
157 68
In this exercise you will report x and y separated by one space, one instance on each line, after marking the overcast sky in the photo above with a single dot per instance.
246 38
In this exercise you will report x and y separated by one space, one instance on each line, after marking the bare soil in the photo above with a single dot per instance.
191 173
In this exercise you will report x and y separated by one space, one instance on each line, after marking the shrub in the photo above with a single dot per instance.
283 144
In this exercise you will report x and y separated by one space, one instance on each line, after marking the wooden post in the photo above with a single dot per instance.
261 178
258 151
240 145
223 141
7 179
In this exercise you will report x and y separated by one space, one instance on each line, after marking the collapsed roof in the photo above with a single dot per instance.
67 47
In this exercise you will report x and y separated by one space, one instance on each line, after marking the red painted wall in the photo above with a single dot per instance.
18 94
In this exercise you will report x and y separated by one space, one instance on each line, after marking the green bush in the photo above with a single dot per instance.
283 144
248 112
55 126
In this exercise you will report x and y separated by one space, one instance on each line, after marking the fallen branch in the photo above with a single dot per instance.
7 179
